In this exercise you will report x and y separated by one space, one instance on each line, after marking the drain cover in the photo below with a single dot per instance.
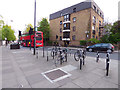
55 75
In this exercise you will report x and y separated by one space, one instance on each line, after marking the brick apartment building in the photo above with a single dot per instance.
82 21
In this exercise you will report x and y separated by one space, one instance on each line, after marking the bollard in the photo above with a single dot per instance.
107 63
80 63
66 56
83 57
47 55
61 57
97 59
53 54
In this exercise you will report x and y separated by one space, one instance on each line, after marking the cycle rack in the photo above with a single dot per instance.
37 53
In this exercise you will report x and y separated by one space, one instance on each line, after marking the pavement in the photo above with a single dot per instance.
21 69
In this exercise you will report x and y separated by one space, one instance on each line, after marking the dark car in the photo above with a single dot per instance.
101 47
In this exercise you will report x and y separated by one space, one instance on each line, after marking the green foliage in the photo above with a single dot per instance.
83 42
8 33
115 33
45 28
93 41
104 39
28 28
50 42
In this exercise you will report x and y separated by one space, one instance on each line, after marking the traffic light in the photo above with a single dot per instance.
31 31
19 33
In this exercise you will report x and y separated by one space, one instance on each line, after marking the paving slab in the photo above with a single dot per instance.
102 83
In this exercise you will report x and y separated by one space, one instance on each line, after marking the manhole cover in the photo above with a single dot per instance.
55 75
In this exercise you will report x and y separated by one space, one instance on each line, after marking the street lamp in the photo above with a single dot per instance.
34 27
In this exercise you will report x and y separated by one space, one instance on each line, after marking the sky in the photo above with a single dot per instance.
19 13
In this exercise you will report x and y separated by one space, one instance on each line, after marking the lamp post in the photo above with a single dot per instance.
34 27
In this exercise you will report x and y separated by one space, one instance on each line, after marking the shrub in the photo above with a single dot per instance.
93 41
83 42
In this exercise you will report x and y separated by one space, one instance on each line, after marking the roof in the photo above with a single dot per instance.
80 6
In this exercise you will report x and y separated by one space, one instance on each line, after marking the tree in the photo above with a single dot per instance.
45 28
28 27
8 33
106 33
1 25
115 33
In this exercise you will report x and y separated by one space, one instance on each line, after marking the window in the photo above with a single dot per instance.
94 7
104 45
93 27
66 26
99 23
74 28
97 11
73 37
60 38
61 14
98 45
74 10
60 22
60 30
100 14
94 19
67 17
74 19
93 36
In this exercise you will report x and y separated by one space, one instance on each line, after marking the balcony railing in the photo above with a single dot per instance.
66 28
66 35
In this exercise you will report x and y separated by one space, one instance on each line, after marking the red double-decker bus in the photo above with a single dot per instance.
25 39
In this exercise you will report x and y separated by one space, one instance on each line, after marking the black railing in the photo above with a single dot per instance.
66 35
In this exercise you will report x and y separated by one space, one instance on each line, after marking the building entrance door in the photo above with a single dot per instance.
66 43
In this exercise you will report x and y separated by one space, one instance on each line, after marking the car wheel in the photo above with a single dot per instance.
90 50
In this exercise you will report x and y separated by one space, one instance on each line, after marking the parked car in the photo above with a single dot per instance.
101 47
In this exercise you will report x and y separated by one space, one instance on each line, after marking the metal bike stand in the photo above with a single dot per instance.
37 53
107 63
66 57
80 63
60 57
83 57
53 54
97 56
47 54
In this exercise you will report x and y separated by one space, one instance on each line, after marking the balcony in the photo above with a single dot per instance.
66 39
66 36
66 22
66 29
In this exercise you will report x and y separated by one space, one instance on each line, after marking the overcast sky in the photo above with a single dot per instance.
22 11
